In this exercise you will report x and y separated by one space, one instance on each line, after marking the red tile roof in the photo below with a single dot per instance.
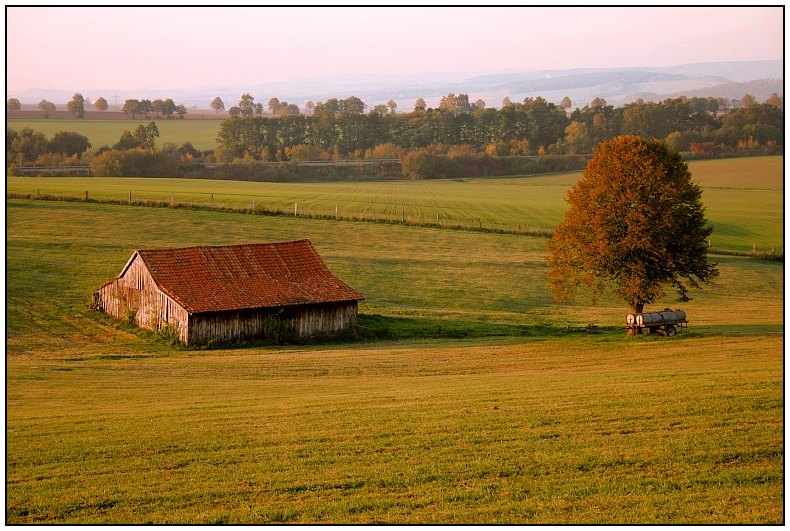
236 277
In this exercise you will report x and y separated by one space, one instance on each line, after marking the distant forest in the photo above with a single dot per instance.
459 138
532 127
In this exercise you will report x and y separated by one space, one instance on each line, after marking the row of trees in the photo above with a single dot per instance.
136 154
457 104
29 146
165 108
341 125
248 107
687 124
75 106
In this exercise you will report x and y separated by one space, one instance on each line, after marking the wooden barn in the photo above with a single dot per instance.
232 293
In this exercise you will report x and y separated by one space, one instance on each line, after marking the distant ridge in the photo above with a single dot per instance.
761 89
616 85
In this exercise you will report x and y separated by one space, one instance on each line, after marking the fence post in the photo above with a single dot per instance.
130 197
294 209
212 200
86 195
253 204
171 199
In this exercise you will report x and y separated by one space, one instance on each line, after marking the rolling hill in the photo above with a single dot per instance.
616 86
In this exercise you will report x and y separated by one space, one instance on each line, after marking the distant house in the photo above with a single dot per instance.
232 293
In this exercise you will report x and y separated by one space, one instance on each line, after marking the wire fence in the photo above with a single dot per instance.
352 211
365 212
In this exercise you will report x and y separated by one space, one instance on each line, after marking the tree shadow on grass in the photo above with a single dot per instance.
388 328
381 327
372 328
740 330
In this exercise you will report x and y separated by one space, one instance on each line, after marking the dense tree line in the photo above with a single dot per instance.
341 128
165 108
29 146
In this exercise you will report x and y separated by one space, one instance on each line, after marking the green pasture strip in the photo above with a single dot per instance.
420 282
201 133
562 431
743 198
747 173
498 204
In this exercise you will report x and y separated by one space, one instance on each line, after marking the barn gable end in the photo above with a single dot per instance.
232 293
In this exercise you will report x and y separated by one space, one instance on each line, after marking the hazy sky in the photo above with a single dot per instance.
79 48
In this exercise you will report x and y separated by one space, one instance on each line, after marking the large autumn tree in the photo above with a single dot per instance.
635 223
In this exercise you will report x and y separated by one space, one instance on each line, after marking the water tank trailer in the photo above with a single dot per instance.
666 322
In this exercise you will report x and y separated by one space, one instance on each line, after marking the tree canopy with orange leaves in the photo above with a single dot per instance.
635 223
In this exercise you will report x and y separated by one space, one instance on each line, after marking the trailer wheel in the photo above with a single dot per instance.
671 331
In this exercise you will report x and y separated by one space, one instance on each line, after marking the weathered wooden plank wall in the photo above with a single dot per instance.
303 321
135 291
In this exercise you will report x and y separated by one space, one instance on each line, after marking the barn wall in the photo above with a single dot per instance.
322 319
303 322
135 292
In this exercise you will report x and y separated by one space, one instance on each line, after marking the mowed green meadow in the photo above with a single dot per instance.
201 133
470 397
743 199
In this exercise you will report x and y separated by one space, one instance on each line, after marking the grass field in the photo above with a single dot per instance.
475 399
558 431
743 197
201 133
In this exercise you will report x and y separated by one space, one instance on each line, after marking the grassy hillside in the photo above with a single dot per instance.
59 252
521 420
744 200
201 133
743 197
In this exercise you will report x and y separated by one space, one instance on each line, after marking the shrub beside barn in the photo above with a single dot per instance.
233 293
